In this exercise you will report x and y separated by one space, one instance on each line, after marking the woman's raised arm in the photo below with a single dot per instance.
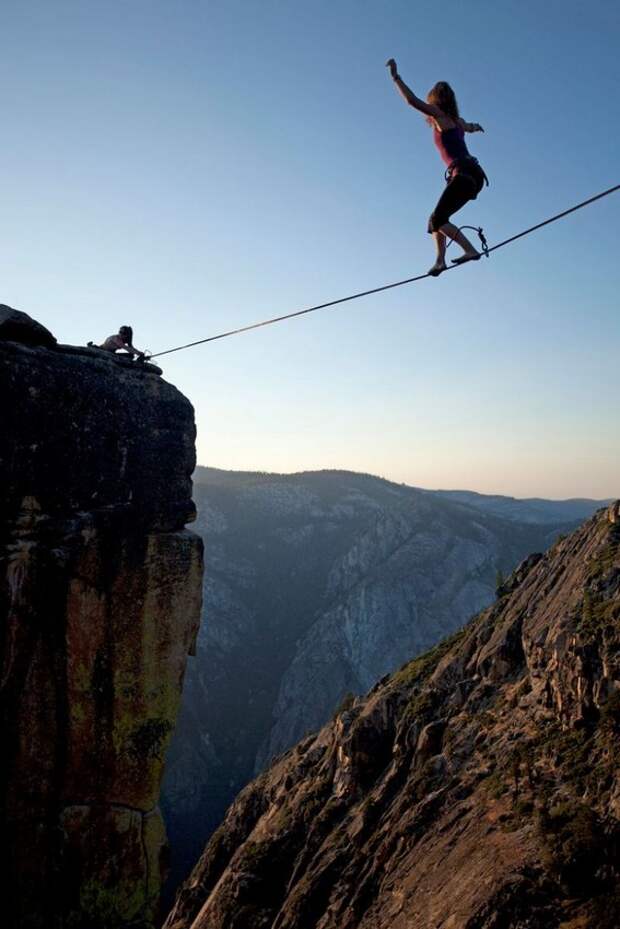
408 95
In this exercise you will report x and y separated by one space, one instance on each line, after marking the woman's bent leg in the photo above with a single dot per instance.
452 232
459 191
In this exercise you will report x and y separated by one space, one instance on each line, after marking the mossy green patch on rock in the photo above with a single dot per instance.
608 555
107 867
598 614
423 666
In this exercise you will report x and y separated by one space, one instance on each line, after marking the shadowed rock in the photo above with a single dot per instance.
476 788
16 326
100 597
319 585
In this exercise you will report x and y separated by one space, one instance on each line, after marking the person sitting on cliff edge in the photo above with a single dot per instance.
121 342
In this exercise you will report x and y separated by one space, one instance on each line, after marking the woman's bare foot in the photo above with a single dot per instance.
467 256
437 268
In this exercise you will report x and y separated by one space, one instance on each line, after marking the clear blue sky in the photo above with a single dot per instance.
191 166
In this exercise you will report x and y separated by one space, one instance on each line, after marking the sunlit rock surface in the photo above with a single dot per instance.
318 585
100 598
476 788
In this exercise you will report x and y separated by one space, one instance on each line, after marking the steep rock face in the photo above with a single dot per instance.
477 788
415 576
319 584
100 598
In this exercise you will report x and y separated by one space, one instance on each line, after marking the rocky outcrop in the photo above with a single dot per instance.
476 788
100 597
16 326
319 584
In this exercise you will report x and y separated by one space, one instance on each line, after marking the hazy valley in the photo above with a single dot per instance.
318 585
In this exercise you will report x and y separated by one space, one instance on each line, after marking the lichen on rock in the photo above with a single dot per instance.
100 597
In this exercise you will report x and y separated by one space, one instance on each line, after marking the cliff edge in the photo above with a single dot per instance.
100 597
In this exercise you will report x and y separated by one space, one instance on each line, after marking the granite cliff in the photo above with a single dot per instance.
318 585
476 788
100 599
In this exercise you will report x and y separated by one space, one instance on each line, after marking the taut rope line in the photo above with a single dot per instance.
377 290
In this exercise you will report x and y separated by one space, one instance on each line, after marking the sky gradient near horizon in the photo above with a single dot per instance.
190 167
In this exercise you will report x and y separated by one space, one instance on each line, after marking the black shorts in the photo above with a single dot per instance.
460 189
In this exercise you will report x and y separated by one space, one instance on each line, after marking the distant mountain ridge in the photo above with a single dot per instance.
529 509
317 585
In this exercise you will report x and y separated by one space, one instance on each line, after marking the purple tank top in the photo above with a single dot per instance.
451 144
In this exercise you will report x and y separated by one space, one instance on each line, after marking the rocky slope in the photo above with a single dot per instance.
318 585
100 598
476 788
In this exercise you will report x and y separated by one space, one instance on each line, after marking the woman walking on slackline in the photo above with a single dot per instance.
465 178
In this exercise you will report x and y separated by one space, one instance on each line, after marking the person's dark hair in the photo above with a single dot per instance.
126 333
442 95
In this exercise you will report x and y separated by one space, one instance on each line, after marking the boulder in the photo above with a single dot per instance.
16 326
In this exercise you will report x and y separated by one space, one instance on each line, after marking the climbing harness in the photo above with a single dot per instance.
453 168
376 290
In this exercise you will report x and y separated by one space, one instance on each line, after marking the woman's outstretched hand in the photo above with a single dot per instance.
391 64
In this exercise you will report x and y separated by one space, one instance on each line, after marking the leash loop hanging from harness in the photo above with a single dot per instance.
483 242
484 248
